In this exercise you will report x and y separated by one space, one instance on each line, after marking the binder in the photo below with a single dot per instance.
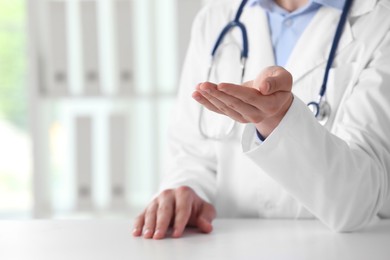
57 78
118 157
90 48
124 46
83 162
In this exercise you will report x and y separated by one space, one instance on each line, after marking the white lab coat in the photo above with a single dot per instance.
338 173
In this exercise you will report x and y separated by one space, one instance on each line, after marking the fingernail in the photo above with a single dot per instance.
175 232
147 232
197 98
157 234
135 231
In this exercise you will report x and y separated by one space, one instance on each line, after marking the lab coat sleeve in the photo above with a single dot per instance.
191 159
341 176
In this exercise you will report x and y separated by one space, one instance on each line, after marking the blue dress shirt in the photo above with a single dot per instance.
286 27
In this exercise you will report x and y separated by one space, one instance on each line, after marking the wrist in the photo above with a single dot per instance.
268 125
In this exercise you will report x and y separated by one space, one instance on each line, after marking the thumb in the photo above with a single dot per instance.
205 218
273 79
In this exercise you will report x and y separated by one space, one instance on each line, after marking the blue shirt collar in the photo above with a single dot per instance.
267 4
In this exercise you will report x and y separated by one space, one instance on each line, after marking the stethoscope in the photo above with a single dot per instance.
320 108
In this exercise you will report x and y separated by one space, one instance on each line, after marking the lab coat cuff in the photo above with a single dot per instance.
199 191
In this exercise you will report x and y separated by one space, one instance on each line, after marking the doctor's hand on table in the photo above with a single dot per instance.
263 101
179 208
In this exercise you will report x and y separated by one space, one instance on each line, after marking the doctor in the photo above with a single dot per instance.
277 160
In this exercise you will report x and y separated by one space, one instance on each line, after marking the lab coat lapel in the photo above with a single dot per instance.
261 52
318 36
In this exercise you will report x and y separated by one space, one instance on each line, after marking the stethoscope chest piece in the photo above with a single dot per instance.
321 111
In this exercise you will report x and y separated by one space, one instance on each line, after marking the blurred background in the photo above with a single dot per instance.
86 89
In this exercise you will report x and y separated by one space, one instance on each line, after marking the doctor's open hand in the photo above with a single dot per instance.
179 207
263 101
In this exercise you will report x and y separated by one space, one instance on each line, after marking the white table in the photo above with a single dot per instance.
231 239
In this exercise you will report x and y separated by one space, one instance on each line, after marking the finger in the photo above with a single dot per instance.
213 104
199 96
268 105
150 220
138 224
273 79
249 96
184 202
248 84
164 215
249 112
205 102
206 217
209 91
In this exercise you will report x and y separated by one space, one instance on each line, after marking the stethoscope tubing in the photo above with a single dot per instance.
231 25
335 44
320 108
